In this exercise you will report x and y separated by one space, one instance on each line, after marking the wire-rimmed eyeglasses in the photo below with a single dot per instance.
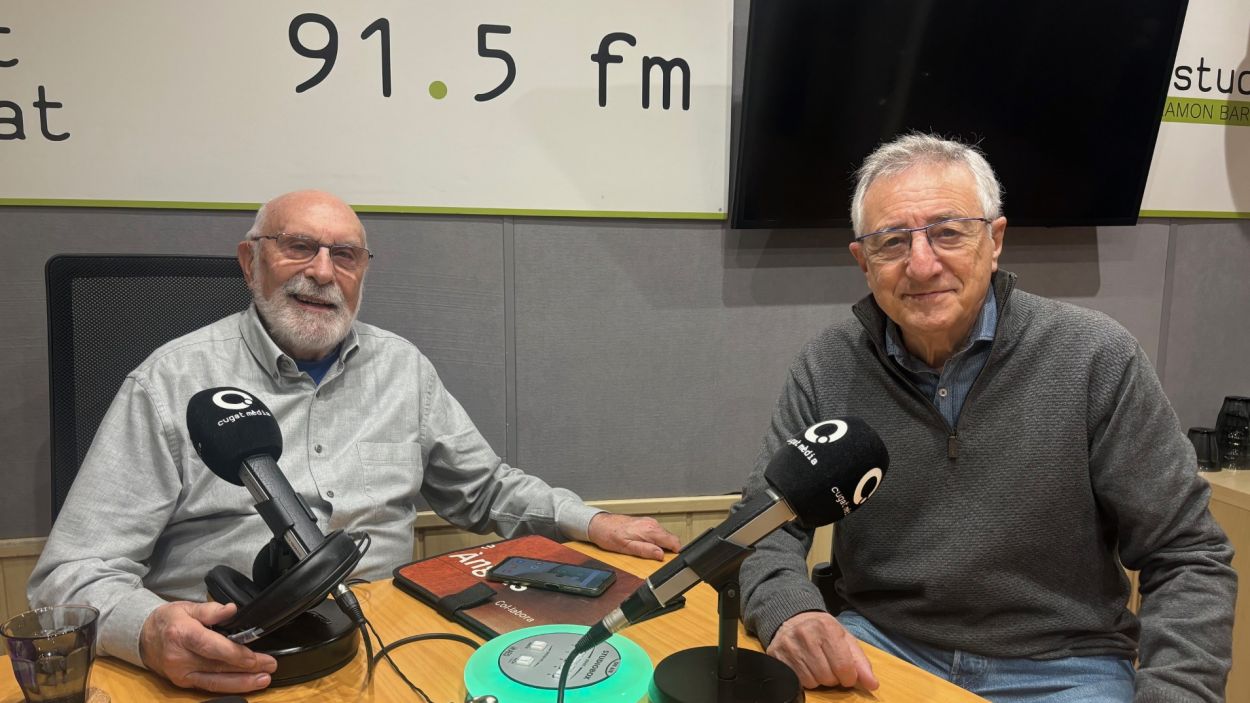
300 248
950 236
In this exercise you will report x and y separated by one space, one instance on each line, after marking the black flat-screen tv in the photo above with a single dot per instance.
1064 97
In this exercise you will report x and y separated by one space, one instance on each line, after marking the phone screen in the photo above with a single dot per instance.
551 574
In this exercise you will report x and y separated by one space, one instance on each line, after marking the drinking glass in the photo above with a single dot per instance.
1206 446
52 650
1233 427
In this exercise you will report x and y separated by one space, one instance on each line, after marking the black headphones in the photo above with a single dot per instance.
282 586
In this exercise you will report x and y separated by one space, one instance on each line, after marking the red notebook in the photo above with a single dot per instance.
455 585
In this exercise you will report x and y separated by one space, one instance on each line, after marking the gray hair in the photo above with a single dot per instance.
258 224
257 230
894 157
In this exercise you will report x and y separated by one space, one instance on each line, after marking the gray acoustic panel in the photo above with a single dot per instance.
649 355
439 282
1116 270
34 235
1208 342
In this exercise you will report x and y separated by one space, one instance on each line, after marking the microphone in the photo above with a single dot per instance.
238 439
816 478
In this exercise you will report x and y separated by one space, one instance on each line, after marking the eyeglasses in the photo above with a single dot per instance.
299 248
947 236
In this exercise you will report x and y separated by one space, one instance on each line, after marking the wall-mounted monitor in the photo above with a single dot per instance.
1064 97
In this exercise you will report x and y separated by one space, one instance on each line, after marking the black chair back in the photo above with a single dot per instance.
106 314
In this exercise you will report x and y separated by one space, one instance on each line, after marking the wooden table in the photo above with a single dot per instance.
1230 505
437 667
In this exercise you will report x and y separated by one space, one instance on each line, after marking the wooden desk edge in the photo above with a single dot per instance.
900 681
1232 487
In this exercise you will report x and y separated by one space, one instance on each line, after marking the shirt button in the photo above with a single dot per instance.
317 448
329 494
941 392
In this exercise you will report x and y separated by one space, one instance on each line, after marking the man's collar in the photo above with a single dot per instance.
873 318
269 355
982 331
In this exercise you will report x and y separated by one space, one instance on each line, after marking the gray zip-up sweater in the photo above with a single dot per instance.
1000 536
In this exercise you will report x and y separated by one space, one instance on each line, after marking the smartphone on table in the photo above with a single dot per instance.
553 575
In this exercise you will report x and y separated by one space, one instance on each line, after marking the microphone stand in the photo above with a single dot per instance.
724 673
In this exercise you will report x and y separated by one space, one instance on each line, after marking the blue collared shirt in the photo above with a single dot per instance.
318 369
949 386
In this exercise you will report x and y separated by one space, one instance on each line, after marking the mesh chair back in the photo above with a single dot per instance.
106 314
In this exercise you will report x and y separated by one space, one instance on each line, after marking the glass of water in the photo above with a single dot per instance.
52 650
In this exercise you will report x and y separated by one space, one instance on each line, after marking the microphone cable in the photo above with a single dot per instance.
350 605
385 653
384 649
564 675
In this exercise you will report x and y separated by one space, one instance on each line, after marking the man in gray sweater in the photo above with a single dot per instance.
1033 458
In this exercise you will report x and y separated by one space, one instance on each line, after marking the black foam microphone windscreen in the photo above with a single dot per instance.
228 425
817 477
828 470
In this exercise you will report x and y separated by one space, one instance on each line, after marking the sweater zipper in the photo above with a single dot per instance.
952 433
952 440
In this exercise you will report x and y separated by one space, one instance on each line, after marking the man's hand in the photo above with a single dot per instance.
822 652
637 536
176 643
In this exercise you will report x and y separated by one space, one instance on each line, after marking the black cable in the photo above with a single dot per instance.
431 636
368 655
351 606
383 652
564 676
595 636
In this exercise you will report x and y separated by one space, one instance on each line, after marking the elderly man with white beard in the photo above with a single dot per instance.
369 430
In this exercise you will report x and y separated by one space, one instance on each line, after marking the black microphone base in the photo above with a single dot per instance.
690 676
318 642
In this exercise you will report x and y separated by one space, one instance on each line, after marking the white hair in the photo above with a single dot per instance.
258 224
894 157
257 230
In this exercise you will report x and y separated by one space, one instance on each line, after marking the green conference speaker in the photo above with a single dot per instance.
523 666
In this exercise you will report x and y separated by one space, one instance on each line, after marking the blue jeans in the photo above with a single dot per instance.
1008 680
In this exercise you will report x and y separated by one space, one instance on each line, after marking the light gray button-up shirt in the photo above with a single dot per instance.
146 519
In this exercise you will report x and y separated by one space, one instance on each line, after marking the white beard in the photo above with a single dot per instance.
298 332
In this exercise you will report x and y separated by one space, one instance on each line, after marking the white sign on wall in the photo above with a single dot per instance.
561 107
1201 165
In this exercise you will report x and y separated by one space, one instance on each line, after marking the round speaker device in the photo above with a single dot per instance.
523 666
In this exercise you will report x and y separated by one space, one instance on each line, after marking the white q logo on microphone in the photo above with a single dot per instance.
875 475
219 399
811 435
